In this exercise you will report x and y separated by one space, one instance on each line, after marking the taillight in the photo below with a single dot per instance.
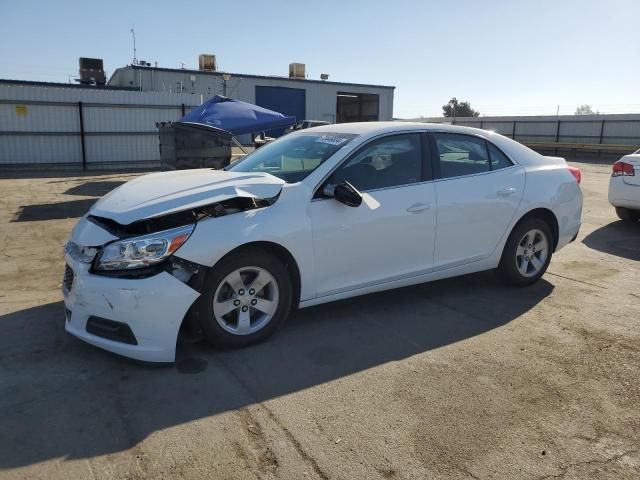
622 169
576 173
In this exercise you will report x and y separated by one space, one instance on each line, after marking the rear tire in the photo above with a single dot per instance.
627 215
527 253
247 296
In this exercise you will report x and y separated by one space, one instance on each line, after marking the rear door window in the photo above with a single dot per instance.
460 155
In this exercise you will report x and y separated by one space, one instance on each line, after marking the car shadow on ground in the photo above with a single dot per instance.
617 238
70 209
93 189
53 211
62 398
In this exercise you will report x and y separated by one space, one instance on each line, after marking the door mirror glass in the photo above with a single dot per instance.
348 194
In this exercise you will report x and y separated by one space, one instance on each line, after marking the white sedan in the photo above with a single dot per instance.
319 215
624 187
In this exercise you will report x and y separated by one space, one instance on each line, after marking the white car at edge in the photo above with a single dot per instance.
319 215
624 187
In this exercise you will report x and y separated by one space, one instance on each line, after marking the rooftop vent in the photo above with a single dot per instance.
207 62
296 70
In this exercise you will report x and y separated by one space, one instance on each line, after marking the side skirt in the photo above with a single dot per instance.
487 264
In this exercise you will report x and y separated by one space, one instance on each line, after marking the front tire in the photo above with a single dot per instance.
527 253
246 298
627 215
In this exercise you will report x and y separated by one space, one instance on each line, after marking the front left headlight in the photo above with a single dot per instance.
144 251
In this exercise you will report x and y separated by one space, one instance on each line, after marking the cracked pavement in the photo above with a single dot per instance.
457 379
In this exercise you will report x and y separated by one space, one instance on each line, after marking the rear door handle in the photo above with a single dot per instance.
505 192
418 207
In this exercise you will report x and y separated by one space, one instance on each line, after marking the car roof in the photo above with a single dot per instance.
516 151
373 128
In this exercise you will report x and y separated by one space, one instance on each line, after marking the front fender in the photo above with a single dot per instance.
284 223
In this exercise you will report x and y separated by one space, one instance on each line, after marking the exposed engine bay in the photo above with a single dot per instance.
177 219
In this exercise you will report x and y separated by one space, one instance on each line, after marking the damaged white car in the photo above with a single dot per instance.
318 215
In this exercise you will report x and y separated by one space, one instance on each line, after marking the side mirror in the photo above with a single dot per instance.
348 194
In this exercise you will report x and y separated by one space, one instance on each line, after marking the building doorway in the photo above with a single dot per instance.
357 107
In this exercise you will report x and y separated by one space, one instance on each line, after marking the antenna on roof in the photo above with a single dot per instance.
133 33
182 64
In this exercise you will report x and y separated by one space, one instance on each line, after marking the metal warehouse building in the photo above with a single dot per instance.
98 126
303 98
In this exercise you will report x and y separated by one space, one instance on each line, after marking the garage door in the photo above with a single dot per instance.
289 101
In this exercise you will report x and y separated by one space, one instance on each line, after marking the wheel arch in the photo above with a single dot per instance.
282 254
545 215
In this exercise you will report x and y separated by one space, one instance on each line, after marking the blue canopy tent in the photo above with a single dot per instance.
236 117
202 138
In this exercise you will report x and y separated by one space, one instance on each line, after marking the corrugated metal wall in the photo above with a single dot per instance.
623 129
41 125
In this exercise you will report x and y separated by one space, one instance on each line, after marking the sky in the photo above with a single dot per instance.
505 57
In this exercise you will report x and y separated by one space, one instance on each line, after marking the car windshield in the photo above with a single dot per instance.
293 157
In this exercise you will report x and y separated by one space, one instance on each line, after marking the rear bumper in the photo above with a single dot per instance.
152 308
568 235
569 216
623 194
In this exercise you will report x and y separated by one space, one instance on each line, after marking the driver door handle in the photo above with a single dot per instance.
505 192
418 207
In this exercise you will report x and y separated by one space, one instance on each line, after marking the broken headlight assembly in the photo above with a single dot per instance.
143 251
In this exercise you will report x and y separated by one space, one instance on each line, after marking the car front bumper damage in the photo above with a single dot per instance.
138 316
100 310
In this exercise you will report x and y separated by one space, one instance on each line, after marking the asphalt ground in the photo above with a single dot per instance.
456 379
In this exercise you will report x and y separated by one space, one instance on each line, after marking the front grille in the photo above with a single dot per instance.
67 280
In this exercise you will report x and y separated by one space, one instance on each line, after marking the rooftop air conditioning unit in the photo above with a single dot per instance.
207 62
92 71
296 70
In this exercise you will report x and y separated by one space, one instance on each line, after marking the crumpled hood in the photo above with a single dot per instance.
167 192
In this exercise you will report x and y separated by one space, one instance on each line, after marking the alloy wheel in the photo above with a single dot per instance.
532 252
246 300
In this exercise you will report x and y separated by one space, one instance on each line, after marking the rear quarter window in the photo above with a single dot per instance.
498 159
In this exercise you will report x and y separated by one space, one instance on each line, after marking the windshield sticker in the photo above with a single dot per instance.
332 140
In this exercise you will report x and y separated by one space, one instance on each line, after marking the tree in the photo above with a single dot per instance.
585 110
463 109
